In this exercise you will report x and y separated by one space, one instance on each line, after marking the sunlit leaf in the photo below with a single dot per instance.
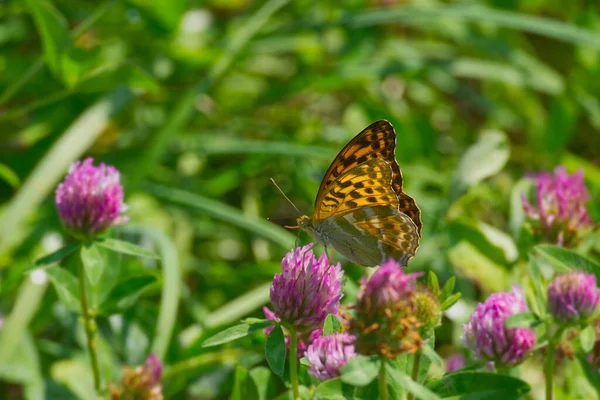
525 319
55 256
67 287
485 158
236 332
332 325
587 338
360 371
121 246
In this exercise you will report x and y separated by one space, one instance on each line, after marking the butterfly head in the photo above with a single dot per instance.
304 223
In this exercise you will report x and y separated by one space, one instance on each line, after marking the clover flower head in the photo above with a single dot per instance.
142 382
328 355
386 313
487 336
306 290
559 211
573 297
90 199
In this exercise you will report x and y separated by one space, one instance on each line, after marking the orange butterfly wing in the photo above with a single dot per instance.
378 140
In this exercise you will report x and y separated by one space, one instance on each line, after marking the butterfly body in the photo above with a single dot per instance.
361 210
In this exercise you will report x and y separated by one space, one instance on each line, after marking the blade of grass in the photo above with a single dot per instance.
70 146
213 144
26 305
223 212
171 290
224 356
184 109
237 308
542 26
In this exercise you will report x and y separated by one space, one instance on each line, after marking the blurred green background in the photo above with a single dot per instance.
199 103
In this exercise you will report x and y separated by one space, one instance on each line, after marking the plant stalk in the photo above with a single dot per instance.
415 371
382 379
294 363
549 368
90 328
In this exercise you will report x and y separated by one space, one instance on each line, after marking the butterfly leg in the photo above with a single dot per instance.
330 257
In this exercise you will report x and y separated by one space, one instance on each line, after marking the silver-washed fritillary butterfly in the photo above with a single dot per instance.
360 209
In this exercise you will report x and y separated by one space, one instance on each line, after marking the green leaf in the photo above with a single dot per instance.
434 282
264 384
360 370
492 242
236 332
400 379
448 288
99 291
331 389
479 385
475 265
75 374
121 246
243 385
485 158
450 301
66 286
332 325
93 262
564 260
590 371
525 319
54 32
55 256
275 351
536 280
127 292
587 337
430 353
9 176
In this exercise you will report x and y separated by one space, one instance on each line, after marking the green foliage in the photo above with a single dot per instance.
236 332
479 385
360 370
275 351
332 325
198 104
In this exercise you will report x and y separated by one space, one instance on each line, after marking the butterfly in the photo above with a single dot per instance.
360 209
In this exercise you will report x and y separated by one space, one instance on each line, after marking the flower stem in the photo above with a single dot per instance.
90 328
383 392
415 371
549 368
294 363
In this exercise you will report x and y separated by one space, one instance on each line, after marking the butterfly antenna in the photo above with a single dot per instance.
281 191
